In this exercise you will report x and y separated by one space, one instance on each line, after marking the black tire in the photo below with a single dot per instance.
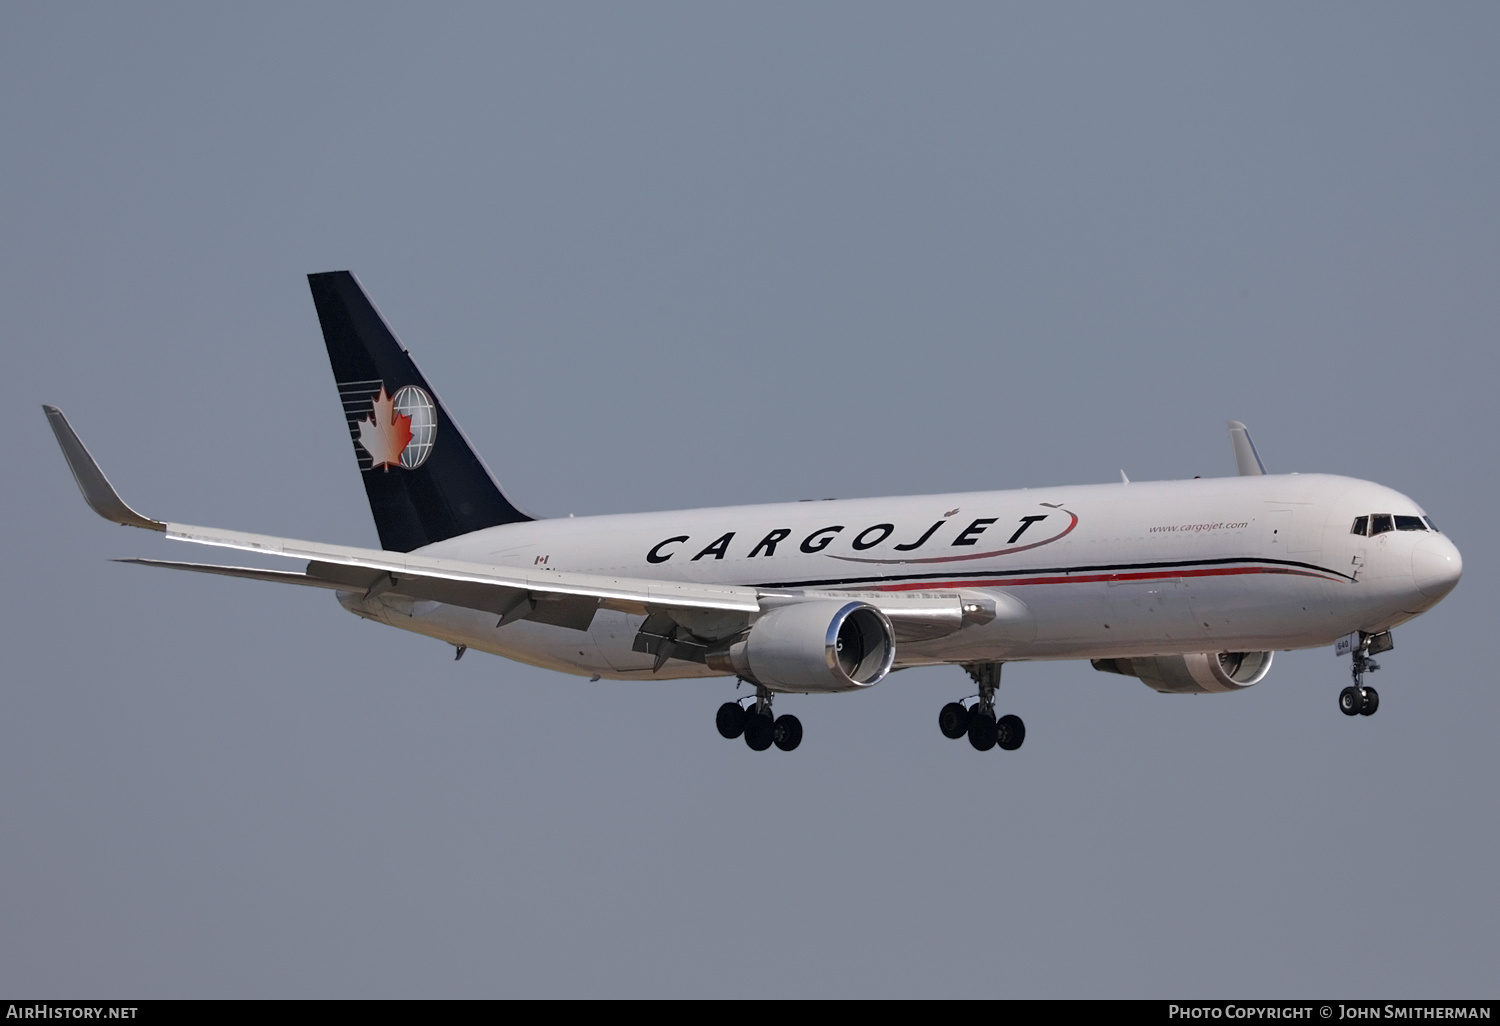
788 732
953 721
1350 701
731 720
1370 702
1011 732
982 732
760 731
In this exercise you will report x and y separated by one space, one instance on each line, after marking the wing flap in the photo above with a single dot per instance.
631 594
247 572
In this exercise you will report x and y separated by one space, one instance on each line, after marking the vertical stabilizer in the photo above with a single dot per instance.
423 480
1245 456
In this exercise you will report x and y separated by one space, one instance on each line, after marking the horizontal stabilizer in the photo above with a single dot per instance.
96 489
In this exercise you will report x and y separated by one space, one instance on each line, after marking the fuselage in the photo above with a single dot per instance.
1257 563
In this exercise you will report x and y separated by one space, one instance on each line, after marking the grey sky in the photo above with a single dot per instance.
659 256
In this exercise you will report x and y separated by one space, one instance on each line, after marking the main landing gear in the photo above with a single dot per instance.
760 728
978 721
1358 699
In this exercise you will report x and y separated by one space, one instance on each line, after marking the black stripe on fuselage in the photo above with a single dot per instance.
1034 571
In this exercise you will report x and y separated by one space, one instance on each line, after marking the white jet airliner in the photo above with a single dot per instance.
1189 586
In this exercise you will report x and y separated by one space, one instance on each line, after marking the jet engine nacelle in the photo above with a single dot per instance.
813 646
1197 674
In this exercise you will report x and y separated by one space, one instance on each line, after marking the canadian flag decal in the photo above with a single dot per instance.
386 433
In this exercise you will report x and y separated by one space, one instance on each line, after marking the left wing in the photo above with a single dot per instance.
563 598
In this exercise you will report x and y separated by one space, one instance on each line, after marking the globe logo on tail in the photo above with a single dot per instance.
400 430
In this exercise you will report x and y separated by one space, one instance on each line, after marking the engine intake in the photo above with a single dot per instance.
813 647
1200 673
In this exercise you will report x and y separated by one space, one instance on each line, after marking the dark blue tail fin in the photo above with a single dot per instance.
424 482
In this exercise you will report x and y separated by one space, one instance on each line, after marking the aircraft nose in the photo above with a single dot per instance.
1436 566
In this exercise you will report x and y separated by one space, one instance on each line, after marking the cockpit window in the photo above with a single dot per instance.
1431 524
1379 523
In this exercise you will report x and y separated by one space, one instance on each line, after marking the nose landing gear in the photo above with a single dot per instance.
1359 699
757 725
978 721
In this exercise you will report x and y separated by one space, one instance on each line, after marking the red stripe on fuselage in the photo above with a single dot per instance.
1162 575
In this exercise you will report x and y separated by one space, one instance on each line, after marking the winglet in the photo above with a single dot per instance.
1245 456
96 489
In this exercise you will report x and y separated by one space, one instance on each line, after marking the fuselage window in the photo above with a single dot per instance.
1431 524
1410 524
1361 525
1380 523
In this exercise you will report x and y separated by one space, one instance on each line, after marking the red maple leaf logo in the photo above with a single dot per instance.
386 433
